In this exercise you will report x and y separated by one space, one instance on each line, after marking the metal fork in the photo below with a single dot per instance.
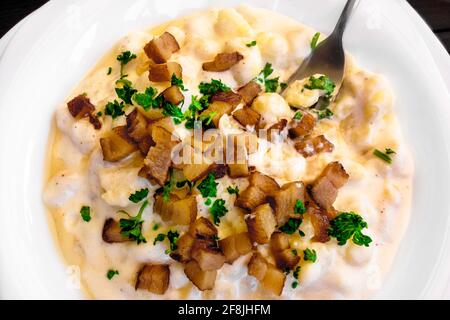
328 58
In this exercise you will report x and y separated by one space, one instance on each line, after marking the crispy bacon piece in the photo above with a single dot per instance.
112 233
268 275
320 223
164 208
235 246
173 95
276 129
261 224
216 110
256 193
160 49
95 122
303 127
249 92
285 257
229 97
223 62
203 280
80 107
284 200
184 211
117 145
164 72
247 117
184 247
208 256
202 228
137 126
325 188
154 278
311 146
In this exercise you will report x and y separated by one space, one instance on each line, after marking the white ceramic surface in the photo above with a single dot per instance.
59 43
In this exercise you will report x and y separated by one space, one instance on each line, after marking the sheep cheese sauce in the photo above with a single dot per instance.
324 203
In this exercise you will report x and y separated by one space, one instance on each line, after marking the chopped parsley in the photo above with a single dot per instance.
191 114
218 210
271 85
148 99
283 85
111 273
168 186
208 187
298 115
213 87
296 272
99 114
299 207
173 111
324 114
294 284
177 82
321 83
291 226
124 58
138 196
349 225
109 71
207 118
85 213
251 44
131 228
125 93
114 109
301 233
155 227
232 190
172 236
385 156
208 201
310 255
314 40
181 184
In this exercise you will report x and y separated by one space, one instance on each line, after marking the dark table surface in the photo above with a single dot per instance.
435 12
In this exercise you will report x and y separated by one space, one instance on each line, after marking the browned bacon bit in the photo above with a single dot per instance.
235 246
325 188
256 193
117 145
173 95
223 62
247 117
303 127
312 146
202 228
160 49
80 107
261 224
275 130
229 97
154 278
319 221
112 233
208 256
137 126
164 72
95 122
184 247
203 280
284 200
249 92
285 257
268 275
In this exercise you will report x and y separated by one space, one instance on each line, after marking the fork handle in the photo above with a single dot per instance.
343 19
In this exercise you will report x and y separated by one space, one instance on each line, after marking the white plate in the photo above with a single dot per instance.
58 44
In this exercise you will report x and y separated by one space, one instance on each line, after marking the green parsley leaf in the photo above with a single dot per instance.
177 82
99 114
296 272
298 115
109 71
207 118
155 227
291 226
314 40
168 186
172 236
85 213
294 284
111 273
251 44
385 156
321 83
138 196
310 255
208 201
191 114
271 85
301 233
173 111
208 187
114 109
124 58
232 190
299 207
159 238
126 93
213 87
283 85
131 228
218 210
324 114
349 225
148 99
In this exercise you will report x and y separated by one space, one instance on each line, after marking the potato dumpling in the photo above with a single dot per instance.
272 108
298 96
231 24
274 48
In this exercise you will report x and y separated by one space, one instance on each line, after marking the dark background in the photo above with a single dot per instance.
435 12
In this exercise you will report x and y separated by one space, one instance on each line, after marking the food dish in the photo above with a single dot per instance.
111 155
62 51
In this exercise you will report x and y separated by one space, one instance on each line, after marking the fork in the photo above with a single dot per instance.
328 58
